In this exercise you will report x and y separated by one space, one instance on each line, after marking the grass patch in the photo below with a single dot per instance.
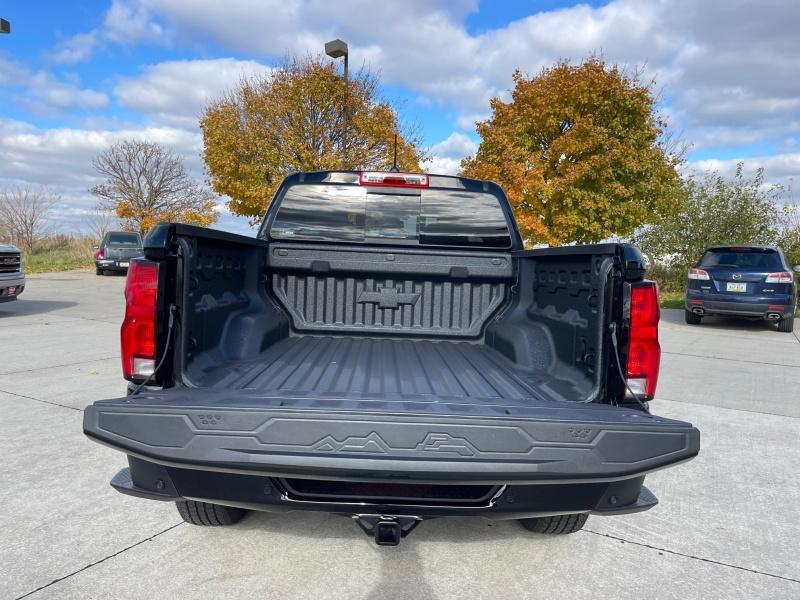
59 253
672 299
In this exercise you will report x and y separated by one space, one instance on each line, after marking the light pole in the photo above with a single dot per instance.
338 49
5 27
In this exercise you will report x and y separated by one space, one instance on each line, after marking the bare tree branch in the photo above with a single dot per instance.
145 183
23 214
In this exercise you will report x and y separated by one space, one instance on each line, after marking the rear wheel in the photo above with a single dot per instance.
99 271
786 325
691 318
556 525
207 514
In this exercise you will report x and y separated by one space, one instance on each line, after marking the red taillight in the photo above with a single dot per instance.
138 333
698 274
644 351
378 178
99 255
784 277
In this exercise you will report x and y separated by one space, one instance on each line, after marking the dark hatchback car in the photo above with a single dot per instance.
743 281
116 251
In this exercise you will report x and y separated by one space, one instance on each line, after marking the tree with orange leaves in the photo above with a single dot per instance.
581 152
302 116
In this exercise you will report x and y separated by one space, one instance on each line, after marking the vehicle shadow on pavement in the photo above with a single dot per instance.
401 568
32 307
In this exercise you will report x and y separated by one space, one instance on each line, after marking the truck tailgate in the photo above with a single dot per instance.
389 439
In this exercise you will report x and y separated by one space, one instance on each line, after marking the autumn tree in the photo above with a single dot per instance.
581 152
145 183
24 213
714 210
299 117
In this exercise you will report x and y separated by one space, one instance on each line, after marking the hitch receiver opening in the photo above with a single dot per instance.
386 530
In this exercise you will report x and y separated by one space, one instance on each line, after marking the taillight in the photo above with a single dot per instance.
784 277
698 274
410 180
138 333
644 351
99 255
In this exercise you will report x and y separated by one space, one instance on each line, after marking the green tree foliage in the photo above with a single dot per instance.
581 153
300 117
715 210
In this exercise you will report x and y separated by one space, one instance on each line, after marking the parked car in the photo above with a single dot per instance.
116 250
743 281
386 349
12 277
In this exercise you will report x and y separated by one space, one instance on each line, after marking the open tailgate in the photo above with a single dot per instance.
250 433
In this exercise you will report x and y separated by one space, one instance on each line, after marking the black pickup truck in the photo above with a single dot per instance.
387 350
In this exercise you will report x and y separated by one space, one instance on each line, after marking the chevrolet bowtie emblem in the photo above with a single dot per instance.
387 297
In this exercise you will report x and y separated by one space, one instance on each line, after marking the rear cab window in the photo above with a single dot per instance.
124 239
344 212
735 257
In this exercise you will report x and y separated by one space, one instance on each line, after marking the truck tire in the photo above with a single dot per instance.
786 325
691 318
99 271
557 525
207 514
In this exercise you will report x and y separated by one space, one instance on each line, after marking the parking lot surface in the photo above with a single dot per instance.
728 525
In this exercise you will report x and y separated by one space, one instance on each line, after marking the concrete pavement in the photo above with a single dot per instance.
727 527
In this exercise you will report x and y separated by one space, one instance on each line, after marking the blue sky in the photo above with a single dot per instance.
76 77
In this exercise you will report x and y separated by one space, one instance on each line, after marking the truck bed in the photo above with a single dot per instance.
390 370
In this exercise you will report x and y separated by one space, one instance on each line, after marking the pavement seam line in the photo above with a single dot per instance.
756 412
700 558
82 362
40 400
744 360
97 562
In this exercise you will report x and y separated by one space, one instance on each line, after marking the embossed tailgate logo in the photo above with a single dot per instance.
388 297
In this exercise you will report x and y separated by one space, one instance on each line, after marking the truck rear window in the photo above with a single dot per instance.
760 259
353 213
124 239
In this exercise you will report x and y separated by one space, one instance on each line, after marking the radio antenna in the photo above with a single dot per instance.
394 168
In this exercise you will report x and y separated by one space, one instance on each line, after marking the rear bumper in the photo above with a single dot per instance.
514 501
559 444
759 308
112 265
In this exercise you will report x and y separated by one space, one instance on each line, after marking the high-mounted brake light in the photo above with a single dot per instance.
698 274
784 277
138 332
644 351
379 178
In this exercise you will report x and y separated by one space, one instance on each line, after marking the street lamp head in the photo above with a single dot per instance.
5 27
336 48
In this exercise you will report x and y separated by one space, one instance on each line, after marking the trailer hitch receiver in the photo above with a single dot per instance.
387 530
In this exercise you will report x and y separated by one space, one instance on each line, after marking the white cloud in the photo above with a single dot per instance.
446 156
60 159
43 93
779 169
175 92
76 49
722 64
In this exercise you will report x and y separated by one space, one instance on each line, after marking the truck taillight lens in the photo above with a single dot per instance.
138 333
99 255
644 351
698 274
785 277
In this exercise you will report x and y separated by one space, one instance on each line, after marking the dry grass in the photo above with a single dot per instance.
60 253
